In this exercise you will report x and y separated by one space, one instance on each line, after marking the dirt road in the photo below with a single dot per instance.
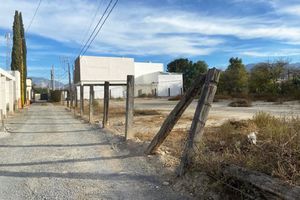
51 155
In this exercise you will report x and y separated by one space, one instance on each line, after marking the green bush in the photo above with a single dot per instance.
55 95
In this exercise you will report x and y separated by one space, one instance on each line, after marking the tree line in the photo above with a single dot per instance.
19 53
265 80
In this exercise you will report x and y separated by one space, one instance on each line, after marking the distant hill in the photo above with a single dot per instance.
44 83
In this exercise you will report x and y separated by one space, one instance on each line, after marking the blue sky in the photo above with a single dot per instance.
157 31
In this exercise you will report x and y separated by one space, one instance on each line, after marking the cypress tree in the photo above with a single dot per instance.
19 52
16 54
24 56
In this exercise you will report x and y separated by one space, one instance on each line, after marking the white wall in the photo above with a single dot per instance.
115 92
172 81
151 78
142 68
92 69
28 89
8 91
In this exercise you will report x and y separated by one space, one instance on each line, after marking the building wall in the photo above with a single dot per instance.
29 89
149 77
92 69
115 92
8 91
142 68
169 85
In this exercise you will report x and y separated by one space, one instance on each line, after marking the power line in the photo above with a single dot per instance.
95 28
90 25
36 10
101 26
93 36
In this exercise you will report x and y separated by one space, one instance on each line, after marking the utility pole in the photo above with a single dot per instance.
52 79
7 37
70 90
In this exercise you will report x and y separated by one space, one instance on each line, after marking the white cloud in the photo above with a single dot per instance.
141 30
280 53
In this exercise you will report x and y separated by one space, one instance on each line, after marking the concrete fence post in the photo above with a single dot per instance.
2 121
91 106
81 100
3 95
11 96
106 104
129 107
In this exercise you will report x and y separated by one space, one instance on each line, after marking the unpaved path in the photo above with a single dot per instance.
51 155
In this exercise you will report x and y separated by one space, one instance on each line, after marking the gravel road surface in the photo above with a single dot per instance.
49 154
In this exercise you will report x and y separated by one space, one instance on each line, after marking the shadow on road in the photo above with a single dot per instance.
91 176
65 161
54 145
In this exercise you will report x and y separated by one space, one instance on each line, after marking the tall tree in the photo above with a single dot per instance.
189 70
18 57
16 54
24 56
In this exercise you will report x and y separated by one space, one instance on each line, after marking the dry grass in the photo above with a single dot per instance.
277 152
240 103
146 112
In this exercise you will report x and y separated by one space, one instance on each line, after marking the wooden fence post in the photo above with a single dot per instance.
197 128
68 98
129 107
91 110
175 114
81 100
76 97
106 104
71 98
75 100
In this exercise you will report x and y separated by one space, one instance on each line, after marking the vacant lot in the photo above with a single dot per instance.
150 114
225 137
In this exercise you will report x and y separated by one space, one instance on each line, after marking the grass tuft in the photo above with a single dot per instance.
277 152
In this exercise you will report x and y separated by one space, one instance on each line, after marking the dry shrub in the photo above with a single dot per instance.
146 112
223 97
176 98
277 152
240 103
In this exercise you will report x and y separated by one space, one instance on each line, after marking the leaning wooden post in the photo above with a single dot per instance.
197 128
175 114
81 100
91 110
106 104
129 107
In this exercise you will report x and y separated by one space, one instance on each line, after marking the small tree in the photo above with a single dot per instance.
235 78
264 78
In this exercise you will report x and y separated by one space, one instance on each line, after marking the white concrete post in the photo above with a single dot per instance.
10 84
3 95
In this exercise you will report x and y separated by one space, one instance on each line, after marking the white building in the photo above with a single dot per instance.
28 90
10 93
150 78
